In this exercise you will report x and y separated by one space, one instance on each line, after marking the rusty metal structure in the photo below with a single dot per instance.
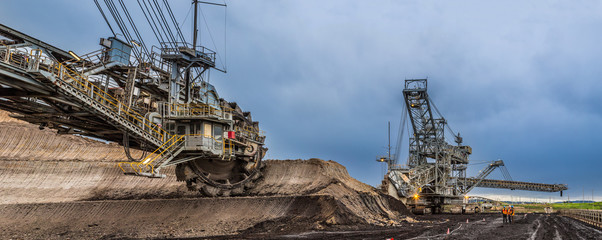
154 98
435 173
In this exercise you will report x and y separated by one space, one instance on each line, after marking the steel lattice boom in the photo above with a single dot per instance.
436 170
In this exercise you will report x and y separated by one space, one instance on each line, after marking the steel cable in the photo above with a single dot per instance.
441 115
210 35
173 19
105 17
161 29
162 17
155 32
129 17
122 26
402 125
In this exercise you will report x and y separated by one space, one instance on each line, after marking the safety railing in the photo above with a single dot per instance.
192 110
225 145
33 62
97 59
17 58
168 147
227 148
250 132
81 83
171 48
590 216
4 53
154 58
88 57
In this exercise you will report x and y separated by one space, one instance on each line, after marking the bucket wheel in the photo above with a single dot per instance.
217 177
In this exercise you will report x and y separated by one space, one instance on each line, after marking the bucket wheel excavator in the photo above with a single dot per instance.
157 99
435 173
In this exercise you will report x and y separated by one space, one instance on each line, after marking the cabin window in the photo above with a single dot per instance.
197 129
217 132
181 130
207 130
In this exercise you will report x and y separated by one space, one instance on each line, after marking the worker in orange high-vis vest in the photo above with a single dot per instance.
504 215
511 214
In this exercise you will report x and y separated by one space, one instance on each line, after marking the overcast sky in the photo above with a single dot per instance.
520 80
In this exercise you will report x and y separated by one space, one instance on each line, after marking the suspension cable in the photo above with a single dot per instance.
162 28
401 130
121 24
225 36
210 35
162 18
152 22
105 17
128 16
175 23
157 34
441 115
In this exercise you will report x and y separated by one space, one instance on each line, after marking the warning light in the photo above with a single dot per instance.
416 196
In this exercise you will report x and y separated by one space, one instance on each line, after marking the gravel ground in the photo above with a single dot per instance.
479 226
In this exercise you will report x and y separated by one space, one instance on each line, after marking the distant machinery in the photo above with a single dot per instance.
435 173
154 98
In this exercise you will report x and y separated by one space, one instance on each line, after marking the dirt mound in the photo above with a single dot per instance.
318 177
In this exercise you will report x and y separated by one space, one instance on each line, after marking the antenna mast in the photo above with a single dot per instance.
196 30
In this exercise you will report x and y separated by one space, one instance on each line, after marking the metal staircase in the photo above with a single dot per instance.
70 83
78 87
159 158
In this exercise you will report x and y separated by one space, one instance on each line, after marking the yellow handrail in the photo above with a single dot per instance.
168 147
149 163
116 103
153 153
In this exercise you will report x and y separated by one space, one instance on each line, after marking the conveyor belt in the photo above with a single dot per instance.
515 185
